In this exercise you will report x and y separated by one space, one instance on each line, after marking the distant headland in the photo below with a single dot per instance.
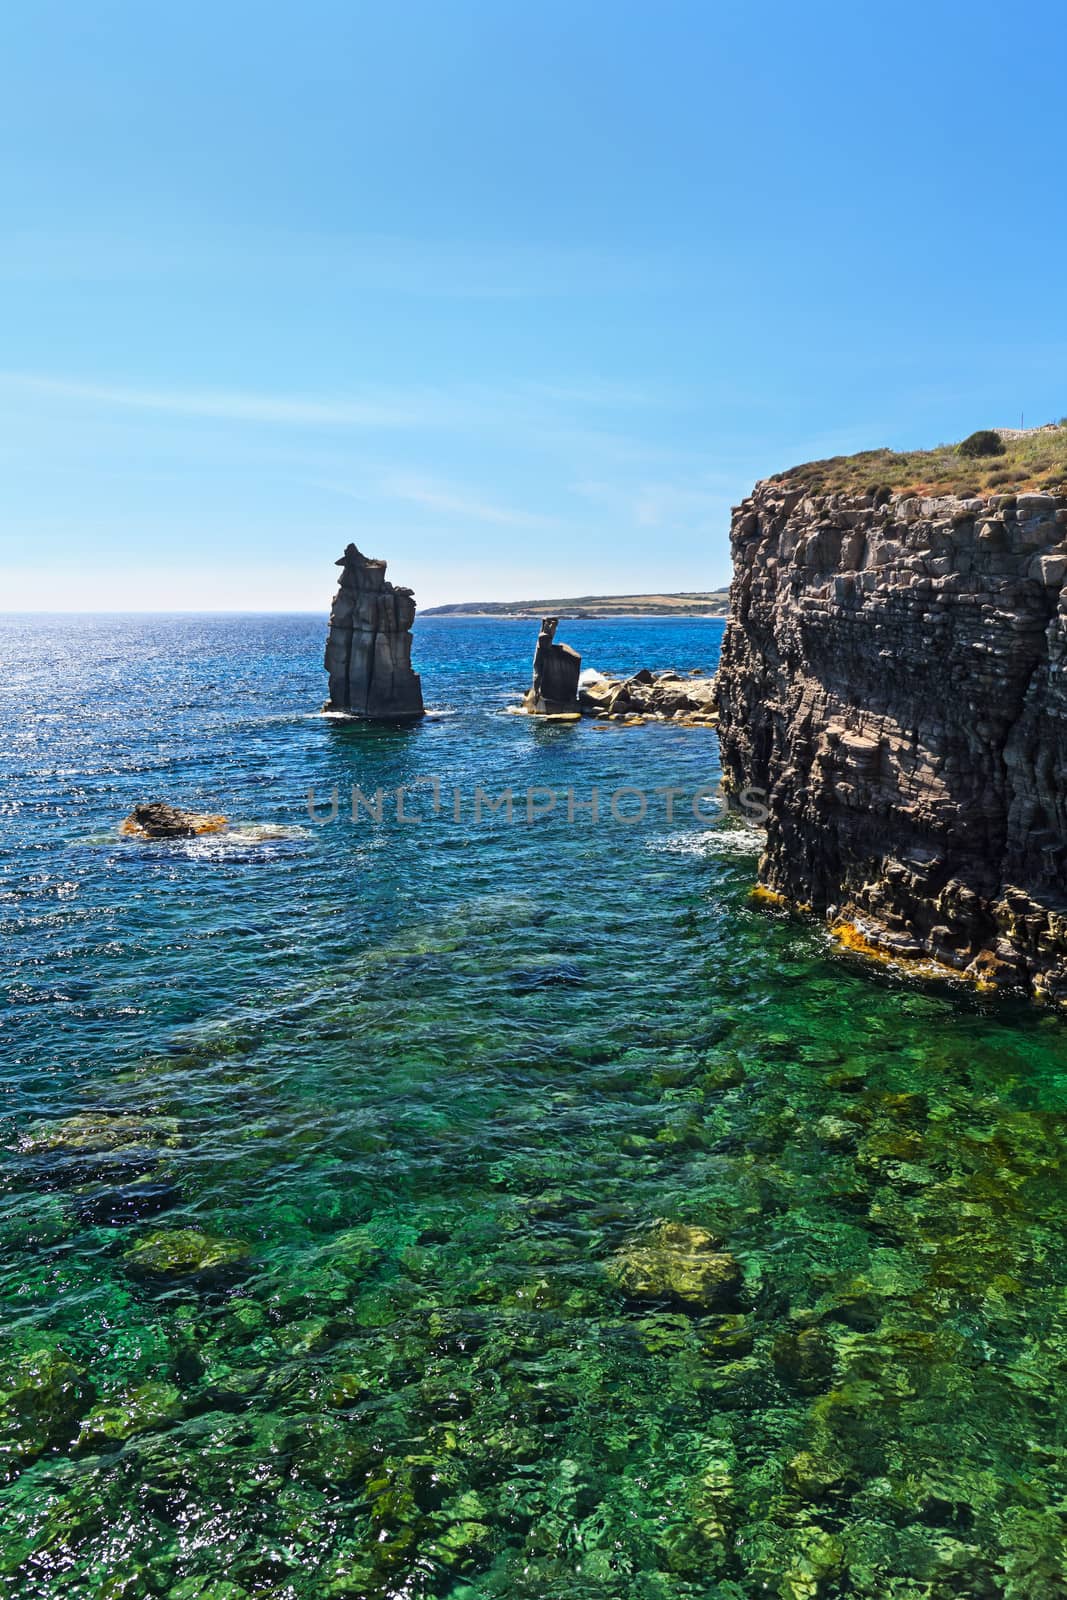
704 602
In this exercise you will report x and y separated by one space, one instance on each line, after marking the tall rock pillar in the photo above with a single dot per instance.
368 646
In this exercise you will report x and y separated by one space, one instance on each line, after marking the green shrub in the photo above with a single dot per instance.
985 442
1000 476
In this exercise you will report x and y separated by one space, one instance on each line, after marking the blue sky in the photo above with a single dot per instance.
519 296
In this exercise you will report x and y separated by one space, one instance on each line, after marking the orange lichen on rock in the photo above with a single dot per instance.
761 896
863 941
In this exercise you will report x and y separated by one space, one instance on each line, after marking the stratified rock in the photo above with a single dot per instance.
368 647
892 679
154 819
556 669
678 1262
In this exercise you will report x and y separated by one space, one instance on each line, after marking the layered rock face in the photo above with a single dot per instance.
368 647
894 676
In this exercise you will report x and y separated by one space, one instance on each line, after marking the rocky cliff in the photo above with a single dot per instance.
894 676
368 647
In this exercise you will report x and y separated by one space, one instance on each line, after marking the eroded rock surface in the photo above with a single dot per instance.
556 668
154 819
662 696
893 676
368 647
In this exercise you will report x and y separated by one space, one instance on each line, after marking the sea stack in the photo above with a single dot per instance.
368 647
556 669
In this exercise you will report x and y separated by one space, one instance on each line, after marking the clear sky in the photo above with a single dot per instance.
519 294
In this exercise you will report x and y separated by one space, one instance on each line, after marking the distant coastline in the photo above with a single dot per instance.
702 603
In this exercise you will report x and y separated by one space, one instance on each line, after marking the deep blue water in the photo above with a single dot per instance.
423 1089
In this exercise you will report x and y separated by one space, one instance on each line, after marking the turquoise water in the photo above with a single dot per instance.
330 1159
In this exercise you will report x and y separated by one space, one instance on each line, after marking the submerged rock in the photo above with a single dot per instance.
556 668
100 1133
804 1357
368 647
142 1409
154 819
184 1253
678 1262
813 1476
42 1396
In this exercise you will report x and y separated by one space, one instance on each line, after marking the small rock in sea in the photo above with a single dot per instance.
678 1262
836 1133
184 1253
727 1337
154 819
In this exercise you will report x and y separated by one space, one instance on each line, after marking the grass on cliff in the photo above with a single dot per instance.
1033 460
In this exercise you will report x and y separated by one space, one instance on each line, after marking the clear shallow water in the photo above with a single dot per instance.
422 1087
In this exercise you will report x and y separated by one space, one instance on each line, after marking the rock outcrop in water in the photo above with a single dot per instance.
556 669
154 819
894 676
663 696
368 647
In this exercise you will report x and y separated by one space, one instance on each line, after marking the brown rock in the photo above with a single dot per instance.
156 820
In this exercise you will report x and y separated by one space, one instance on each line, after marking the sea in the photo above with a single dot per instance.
360 1164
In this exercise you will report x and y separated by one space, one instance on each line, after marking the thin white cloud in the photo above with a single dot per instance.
602 393
380 264
657 504
547 412
448 500
226 405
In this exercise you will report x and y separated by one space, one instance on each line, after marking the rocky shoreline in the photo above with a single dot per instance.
667 696
560 690
893 676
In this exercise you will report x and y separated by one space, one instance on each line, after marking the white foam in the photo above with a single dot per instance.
731 839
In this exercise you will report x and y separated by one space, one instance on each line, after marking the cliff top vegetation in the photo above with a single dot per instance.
1027 460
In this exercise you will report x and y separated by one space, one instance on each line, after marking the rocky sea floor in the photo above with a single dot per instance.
487 1210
